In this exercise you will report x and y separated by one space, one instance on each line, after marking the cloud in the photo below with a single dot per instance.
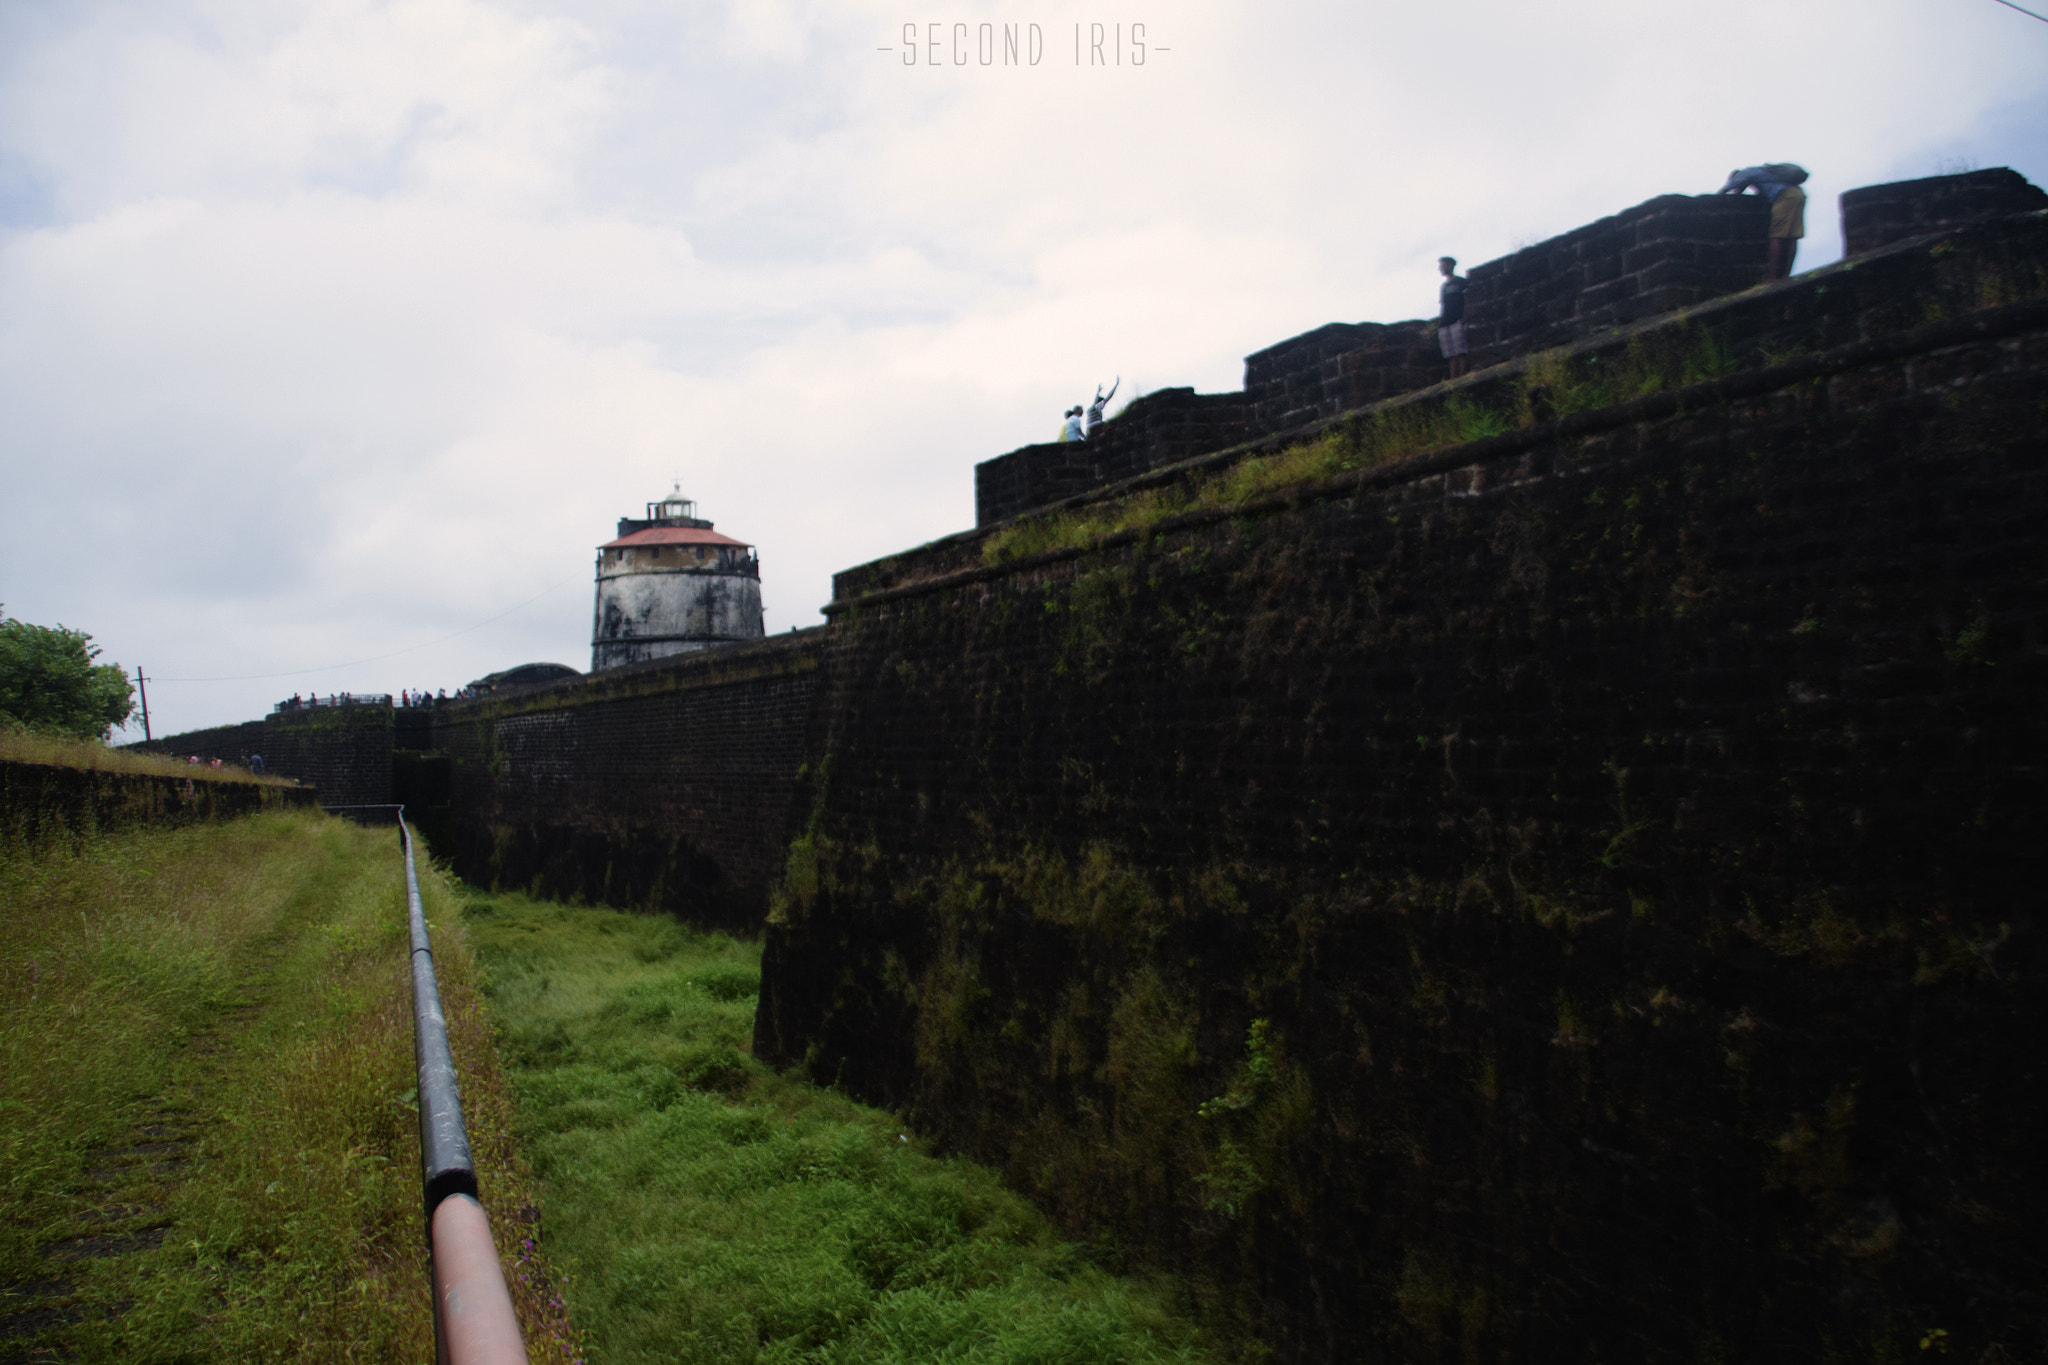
331 328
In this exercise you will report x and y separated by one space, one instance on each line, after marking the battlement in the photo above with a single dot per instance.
1663 255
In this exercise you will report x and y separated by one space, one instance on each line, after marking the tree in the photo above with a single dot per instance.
48 680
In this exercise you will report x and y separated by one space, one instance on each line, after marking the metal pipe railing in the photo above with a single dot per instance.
473 1319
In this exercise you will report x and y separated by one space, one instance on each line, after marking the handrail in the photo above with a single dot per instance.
473 1319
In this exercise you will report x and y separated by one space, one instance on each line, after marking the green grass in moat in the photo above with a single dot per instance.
711 1210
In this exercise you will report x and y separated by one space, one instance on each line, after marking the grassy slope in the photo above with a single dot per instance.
207 1132
715 1211
24 745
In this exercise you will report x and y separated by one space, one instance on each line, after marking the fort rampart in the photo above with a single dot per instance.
1539 866
43 800
1568 894
663 785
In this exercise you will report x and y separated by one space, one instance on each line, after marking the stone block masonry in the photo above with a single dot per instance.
1569 896
1878 215
39 801
345 751
1663 254
1160 428
228 743
1668 253
1875 295
1336 368
658 786
661 786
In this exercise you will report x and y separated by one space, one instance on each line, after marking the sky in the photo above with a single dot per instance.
336 334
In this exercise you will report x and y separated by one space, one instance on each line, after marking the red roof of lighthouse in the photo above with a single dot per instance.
673 535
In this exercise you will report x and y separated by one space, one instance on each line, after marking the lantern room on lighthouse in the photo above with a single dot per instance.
670 584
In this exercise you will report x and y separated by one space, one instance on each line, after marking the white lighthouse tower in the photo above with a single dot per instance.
670 584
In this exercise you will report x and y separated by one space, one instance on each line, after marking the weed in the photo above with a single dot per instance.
718 1211
1968 648
23 744
1553 384
205 1039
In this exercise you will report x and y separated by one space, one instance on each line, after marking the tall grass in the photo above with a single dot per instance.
206 1062
714 1211
22 744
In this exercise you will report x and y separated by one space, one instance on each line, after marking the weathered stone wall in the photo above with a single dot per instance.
661 786
412 727
1666 253
1337 367
41 800
345 751
1874 296
1569 896
228 743
1878 215
1160 428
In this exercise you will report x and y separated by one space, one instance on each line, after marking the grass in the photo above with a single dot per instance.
715 1211
206 1099
1551 384
21 744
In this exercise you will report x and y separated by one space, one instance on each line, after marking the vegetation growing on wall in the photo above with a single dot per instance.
1549 385
1467 919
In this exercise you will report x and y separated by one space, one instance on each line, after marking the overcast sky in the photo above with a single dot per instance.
337 329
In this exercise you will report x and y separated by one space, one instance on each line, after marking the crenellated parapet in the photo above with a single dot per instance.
1662 256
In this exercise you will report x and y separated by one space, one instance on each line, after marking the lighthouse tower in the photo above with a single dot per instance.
670 584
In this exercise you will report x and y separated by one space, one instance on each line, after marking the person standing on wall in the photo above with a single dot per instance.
1450 318
1070 429
1095 419
1779 182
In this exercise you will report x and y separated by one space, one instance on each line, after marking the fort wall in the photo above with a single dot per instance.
228 743
660 786
1867 298
42 800
1566 894
344 751
1878 215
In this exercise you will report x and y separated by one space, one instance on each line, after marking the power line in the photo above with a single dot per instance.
2023 10
376 658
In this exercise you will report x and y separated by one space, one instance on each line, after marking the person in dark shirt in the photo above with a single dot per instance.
1450 318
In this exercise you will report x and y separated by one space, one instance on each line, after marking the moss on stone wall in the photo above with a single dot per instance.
1565 901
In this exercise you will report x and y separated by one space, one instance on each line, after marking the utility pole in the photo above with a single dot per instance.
140 682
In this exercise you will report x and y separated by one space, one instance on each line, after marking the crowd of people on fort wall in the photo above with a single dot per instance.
406 697
426 698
